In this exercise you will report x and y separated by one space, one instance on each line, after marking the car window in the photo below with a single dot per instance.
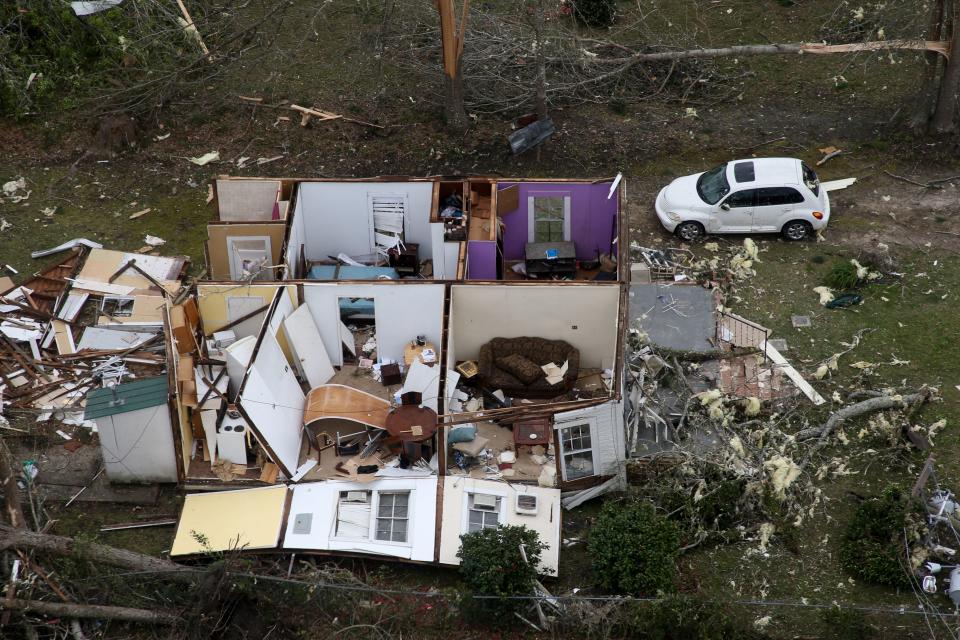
742 198
778 196
713 185
810 179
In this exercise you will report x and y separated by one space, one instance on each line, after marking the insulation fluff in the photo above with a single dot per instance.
751 406
825 293
783 471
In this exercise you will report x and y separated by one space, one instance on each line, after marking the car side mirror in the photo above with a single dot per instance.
725 206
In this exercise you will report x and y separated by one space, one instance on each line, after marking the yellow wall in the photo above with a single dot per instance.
244 519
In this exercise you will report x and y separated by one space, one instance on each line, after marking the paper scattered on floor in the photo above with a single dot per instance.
154 241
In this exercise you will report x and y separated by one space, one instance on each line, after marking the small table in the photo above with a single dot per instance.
531 432
412 351
551 259
410 424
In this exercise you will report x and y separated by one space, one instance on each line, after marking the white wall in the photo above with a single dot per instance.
335 216
137 446
272 398
607 434
295 239
320 499
403 311
585 316
454 516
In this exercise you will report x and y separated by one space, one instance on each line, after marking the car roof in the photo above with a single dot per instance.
766 171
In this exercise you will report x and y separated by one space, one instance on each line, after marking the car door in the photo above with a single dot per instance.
776 206
735 214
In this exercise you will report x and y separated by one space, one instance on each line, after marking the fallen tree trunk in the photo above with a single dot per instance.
11 492
126 614
849 412
11 538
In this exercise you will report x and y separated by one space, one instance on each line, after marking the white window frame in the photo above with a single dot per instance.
591 423
130 299
531 217
392 518
236 267
501 510
374 503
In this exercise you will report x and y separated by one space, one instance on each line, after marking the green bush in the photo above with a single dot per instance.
634 549
872 547
595 13
491 565
842 276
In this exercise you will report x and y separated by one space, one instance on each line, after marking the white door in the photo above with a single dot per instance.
775 206
307 346
248 257
735 214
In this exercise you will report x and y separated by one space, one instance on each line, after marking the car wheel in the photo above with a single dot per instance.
690 231
797 230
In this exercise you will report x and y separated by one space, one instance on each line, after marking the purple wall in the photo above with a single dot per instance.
592 224
481 260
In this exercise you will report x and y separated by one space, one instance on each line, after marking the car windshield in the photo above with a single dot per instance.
713 185
810 179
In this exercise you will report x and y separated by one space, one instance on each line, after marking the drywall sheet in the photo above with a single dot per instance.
271 398
101 264
218 304
425 380
585 316
402 312
307 347
336 216
219 253
225 520
247 200
546 521
312 518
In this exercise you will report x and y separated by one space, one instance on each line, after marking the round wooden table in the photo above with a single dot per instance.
411 423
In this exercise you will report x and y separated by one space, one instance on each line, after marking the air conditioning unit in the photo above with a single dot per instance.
526 504
357 496
484 502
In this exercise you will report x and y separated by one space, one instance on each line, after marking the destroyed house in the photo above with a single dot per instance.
378 366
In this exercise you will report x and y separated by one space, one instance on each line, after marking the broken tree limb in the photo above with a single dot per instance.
11 538
99 612
861 408
11 492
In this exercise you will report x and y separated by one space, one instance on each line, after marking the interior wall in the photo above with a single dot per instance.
592 221
336 216
272 399
246 200
295 240
586 316
402 312
219 253
213 304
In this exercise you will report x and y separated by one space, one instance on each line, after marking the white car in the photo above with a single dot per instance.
775 195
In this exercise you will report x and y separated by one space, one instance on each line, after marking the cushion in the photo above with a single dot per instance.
462 433
522 368
474 448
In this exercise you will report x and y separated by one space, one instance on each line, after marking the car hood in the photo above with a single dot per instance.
682 193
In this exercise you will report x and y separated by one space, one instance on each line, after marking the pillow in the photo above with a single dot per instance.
462 433
520 367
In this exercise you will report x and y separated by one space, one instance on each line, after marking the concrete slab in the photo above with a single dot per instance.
679 317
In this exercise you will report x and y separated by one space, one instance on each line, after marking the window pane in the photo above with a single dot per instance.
399 530
578 465
474 527
476 517
548 208
383 529
741 198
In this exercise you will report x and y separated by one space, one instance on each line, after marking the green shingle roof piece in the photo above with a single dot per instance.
126 397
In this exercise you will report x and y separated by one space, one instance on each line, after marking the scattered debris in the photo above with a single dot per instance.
154 241
76 242
206 158
134 216
837 185
801 321
829 154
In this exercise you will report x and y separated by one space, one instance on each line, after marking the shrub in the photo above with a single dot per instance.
634 549
841 276
491 565
872 546
595 13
